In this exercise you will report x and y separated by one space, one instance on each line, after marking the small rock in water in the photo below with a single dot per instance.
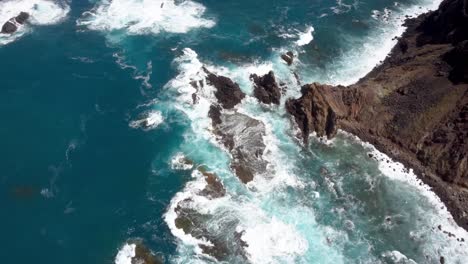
11 26
288 57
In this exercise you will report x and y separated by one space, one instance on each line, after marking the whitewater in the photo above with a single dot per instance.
314 205
333 201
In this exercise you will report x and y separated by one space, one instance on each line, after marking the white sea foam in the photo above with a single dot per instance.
152 120
305 37
125 254
42 12
267 241
180 162
437 214
146 16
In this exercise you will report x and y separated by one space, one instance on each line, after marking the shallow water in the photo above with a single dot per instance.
80 175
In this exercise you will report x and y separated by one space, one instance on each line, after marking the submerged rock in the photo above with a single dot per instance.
136 252
22 17
266 89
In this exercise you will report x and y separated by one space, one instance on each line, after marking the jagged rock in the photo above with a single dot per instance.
144 256
214 187
413 106
448 24
243 137
318 110
288 57
266 89
11 27
22 17
457 58
227 92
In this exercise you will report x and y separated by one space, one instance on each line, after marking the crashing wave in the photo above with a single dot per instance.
140 17
41 12
152 120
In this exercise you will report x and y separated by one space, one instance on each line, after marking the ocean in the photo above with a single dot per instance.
97 115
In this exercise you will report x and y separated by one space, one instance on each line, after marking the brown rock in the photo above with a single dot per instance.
227 92
266 89
406 107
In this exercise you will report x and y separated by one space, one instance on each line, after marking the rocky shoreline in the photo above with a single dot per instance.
413 107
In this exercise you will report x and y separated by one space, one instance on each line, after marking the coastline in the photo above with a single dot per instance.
412 107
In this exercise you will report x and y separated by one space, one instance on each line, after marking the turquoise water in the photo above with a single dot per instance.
79 178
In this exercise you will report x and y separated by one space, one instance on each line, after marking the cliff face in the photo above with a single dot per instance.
413 107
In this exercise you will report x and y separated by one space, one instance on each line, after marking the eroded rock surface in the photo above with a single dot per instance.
266 89
227 92
413 107
11 26
192 222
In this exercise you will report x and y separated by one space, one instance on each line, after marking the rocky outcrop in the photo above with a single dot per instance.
266 89
446 25
227 92
241 134
413 107
11 26
288 57
192 222
243 137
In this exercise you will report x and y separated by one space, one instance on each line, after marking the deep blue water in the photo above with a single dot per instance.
76 181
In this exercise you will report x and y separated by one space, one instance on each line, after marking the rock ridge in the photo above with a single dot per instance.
413 107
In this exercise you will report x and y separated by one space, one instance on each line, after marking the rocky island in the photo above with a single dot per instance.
413 106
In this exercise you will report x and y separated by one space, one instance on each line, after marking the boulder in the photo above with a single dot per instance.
288 57
227 92
266 89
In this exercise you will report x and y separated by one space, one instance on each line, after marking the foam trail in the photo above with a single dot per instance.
146 16
42 12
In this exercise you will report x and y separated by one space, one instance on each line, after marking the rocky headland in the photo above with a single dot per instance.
413 106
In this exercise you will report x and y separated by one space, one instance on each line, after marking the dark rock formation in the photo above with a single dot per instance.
227 92
288 57
239 133
144 256
11 26
195 223
266 89
413 107
243 137
214 187
22 17
446 25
